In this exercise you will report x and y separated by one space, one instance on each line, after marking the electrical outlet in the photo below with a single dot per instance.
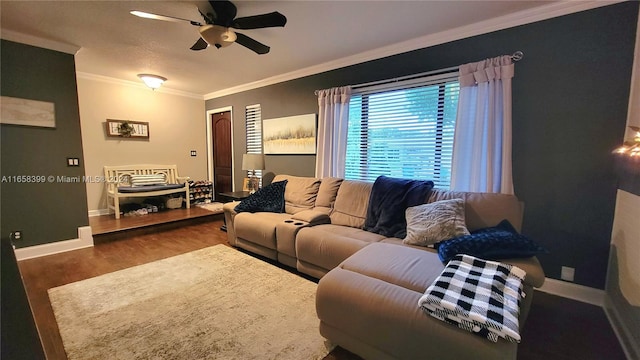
194 153
567 273
16 235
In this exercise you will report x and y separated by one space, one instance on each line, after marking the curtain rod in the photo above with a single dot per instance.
516 56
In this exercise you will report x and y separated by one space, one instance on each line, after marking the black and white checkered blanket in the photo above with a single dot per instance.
479 296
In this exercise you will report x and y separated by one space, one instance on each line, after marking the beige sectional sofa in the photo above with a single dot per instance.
321 233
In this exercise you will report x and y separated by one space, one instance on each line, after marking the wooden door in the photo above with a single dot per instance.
222 164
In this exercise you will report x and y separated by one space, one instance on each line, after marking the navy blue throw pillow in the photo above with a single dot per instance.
267 199
494 243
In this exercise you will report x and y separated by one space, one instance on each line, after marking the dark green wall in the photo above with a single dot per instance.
50 211
570 98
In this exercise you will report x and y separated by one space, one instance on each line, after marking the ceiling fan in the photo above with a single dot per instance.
220 24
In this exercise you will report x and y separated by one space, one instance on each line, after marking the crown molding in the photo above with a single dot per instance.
39 42
136 84
483 27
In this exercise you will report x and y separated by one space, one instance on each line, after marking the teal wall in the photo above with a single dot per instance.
50 211
570 98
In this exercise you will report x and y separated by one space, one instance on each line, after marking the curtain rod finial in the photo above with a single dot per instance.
517 56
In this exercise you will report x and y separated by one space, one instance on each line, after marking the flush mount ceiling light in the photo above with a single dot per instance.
152 81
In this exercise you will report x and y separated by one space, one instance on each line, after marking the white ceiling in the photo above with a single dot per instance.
116 44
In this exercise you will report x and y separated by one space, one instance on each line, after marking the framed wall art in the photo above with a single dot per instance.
127 129
290 135
16 111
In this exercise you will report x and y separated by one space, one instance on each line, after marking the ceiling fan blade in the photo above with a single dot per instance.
199 45
252 44
147 15
223 12
260 21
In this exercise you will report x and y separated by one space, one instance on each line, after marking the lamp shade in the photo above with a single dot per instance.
252 162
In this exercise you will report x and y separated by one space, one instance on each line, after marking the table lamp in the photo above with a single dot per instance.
253 162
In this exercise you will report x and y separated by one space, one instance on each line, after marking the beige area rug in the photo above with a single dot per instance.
214 303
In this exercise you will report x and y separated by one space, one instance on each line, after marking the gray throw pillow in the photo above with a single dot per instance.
430 223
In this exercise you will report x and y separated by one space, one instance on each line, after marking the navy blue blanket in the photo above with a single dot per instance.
390 197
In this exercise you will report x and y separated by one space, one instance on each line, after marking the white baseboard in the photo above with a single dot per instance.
84 240
573 291
98 212
623 333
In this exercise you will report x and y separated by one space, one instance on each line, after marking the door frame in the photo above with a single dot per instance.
210 167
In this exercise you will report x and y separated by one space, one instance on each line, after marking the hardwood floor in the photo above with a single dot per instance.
107 227
557 328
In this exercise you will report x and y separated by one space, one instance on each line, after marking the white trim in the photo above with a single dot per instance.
483 27
209 141
98 212
623 333
633 115
573 291
136 84
84 240
39 42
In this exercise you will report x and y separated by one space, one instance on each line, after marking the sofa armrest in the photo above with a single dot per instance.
535 274
312 217
230 207
229 217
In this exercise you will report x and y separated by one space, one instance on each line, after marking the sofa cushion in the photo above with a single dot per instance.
391 266
328 245
350 207
484 209
327 194
267 199
390 197
430 223
300 193
494 243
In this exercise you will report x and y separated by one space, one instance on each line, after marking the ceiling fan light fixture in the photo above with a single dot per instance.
217 35
152 81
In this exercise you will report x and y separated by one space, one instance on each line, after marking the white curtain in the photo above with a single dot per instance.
482 142
333 119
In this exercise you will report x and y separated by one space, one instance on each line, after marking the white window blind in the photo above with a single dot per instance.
253 121
403 129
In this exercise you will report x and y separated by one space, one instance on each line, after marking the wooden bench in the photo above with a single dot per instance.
125 182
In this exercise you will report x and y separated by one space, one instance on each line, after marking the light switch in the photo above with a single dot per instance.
73 162
194 153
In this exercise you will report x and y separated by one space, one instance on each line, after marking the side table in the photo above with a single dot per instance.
231 196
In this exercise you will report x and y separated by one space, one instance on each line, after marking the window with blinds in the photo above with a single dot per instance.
403 130
253 121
